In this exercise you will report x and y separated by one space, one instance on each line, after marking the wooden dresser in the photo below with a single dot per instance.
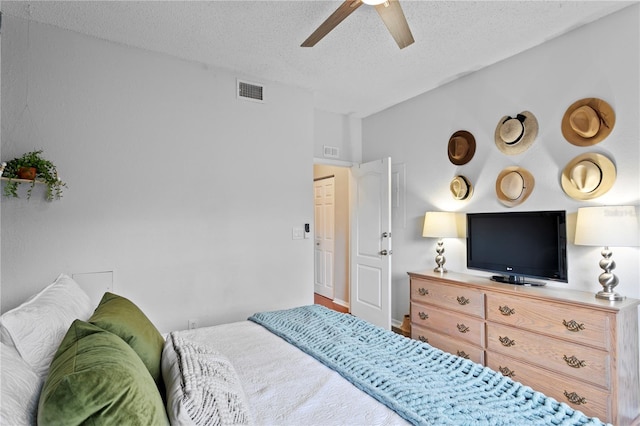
564 343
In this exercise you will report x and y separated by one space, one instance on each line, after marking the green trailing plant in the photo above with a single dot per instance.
46 173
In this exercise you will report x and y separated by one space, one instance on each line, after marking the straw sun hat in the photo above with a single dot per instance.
514 185
514 135
588 121
461 188
461 147
588 176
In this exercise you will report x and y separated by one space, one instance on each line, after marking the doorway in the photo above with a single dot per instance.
324 238
340 232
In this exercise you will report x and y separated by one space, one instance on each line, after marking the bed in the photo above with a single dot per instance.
67 361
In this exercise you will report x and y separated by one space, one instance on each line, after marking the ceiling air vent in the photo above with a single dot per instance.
250 91
331 151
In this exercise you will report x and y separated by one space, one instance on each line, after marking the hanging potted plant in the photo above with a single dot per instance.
36 169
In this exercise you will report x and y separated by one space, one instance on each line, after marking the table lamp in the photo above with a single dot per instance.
440 225
615 226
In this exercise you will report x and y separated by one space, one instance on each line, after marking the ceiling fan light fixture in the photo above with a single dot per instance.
373 2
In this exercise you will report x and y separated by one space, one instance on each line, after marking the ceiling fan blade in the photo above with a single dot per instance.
332 21
393 17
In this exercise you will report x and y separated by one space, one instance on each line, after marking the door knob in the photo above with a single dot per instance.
386 234
385 252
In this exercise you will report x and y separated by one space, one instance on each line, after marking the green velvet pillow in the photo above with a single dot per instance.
123 318
96 378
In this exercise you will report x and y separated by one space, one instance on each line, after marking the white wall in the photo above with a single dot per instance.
599 60
338 130
188 194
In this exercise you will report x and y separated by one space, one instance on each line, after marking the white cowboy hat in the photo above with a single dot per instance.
588 176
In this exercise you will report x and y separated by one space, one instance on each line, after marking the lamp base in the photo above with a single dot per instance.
440 259
608 279
611 296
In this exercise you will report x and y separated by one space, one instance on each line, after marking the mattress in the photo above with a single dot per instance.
285 386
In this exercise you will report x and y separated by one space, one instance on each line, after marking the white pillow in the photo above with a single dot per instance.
20 389
37 327
202 386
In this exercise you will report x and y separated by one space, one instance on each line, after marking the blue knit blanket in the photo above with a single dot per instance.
424 385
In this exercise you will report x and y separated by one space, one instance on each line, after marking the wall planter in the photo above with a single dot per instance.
31 168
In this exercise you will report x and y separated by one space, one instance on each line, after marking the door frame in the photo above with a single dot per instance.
326 287
346 165
349 165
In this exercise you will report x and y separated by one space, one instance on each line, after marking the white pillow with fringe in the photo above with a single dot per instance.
202 386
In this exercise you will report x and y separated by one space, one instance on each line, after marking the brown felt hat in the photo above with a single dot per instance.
588 176
514 135
461 188
588 121
461 148
514 185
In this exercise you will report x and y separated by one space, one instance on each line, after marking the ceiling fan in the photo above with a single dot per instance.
389 10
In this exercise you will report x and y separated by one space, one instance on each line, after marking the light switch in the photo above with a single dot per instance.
297 233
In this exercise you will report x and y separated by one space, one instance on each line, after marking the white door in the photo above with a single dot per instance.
370 297
324 244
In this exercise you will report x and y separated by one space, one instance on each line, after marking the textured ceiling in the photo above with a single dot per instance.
356 69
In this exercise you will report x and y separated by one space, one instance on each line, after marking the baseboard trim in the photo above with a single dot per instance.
341 303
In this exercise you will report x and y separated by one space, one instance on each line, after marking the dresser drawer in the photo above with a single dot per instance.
582 325
591 400
461 299
582 362
463 327
448 344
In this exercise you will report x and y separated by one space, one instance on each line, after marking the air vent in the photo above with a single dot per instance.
331 151
250 91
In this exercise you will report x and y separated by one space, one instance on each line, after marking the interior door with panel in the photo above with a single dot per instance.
324 243
370 296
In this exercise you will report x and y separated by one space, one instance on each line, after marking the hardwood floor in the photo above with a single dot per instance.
328 303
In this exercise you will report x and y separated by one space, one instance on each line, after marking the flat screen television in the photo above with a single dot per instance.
518 245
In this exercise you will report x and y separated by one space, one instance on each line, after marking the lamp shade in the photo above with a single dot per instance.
615 226
440 225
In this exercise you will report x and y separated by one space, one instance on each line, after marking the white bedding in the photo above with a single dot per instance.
284 386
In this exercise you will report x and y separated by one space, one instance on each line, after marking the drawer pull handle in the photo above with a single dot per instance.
573 326
423 316
463 328
506 341
463 300
574 362
506 311
423 291
463 354
423 339
505 371
575 398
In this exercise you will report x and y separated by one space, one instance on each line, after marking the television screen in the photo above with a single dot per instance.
518 245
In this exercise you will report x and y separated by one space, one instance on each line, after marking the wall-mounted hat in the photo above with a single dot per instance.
588 121
514 185
514 135
461 188
588 176
462 146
